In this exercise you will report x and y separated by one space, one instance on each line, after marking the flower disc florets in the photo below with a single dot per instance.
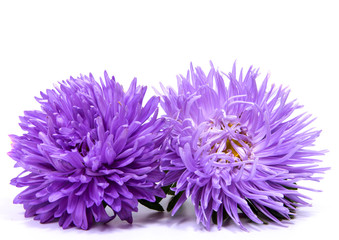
90 147
236 148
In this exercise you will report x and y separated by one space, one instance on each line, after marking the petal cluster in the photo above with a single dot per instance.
91 147
237 146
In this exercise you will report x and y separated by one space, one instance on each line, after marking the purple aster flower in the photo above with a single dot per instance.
91 147
236 149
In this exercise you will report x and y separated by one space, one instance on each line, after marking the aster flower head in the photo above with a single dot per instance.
91 147
236 147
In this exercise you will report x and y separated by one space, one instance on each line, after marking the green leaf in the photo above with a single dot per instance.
215 217
152 205
167 189
170 192
257 212
173 201
276 214
158 199
225 216
291 188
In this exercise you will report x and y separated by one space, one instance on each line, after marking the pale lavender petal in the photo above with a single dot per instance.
237 148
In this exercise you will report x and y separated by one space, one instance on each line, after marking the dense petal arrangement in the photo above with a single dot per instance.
90 147
236 149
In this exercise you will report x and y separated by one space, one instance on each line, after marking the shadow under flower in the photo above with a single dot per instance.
183 220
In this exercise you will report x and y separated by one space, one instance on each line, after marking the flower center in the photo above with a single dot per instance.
230 142
230 148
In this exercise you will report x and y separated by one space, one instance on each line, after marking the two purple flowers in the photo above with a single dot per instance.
231 146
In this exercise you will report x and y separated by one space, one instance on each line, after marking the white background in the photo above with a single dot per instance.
43 42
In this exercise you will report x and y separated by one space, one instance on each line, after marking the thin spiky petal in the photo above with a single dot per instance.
237 147
91 146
